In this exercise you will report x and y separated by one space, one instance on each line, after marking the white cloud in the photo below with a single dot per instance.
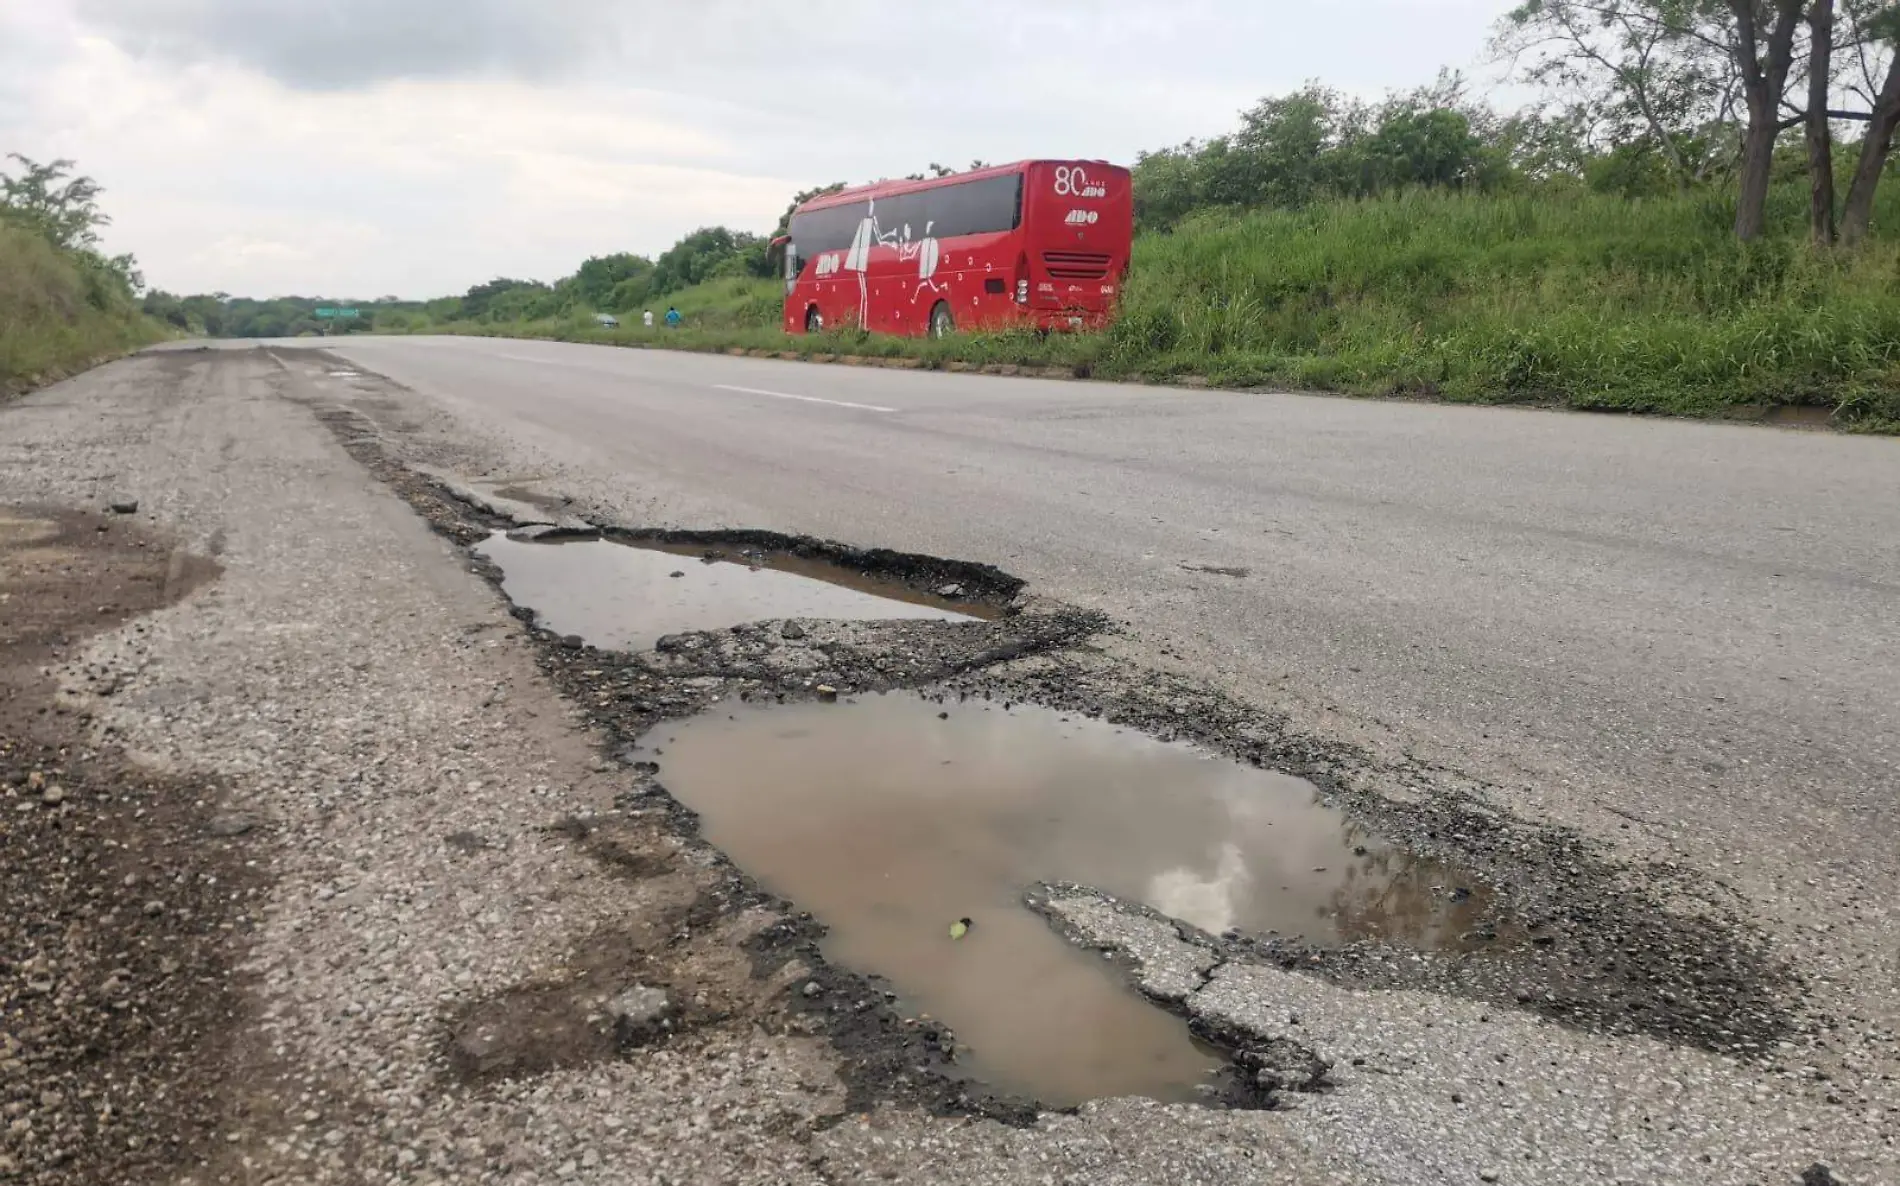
366 146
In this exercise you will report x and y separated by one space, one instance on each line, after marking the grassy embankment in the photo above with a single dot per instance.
57 315
1550 296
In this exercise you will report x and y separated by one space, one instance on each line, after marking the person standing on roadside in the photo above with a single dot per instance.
647 318
672 317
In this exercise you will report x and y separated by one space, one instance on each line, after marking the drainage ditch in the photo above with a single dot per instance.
734 746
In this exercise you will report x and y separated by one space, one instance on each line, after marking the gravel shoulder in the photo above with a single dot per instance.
129 893
471 939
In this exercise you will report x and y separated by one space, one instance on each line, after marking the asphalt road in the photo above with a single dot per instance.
1611 620
1682 637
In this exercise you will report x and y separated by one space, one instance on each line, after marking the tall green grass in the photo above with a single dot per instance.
57 315
1588 300
1552 295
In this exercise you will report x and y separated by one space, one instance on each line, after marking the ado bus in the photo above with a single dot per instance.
1041 244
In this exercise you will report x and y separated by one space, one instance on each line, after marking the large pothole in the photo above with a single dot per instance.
912 830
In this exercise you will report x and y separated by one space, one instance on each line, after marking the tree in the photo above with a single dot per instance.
499 299
1280 148
1762 42
1876 30
163 306
1166 185
1634 75
1677 65
207 313
595 282
1315 144
1819 129
50 199
1420 140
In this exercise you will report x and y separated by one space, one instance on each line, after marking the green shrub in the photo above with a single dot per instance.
60 311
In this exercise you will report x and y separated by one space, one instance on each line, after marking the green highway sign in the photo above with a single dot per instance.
343 313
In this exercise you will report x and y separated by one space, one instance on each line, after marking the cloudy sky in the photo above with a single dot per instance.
353 148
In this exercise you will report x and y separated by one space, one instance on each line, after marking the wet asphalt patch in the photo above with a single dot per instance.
1562 932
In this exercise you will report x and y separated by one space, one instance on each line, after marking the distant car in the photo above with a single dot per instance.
606 321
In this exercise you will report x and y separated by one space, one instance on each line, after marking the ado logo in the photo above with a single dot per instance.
1072 181
1083 217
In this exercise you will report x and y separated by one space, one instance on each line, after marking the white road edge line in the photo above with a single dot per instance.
809 399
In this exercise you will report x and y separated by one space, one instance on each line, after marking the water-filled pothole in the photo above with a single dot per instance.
624 596
892 818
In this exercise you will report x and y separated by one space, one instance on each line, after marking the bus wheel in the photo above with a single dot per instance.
942 324
814 321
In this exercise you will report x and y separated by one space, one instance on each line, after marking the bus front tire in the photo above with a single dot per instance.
814 321
942 323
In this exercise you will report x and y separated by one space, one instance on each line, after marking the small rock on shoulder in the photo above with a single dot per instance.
641 1014
230 824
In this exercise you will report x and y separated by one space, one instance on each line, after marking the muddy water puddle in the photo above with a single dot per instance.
625 596
890 822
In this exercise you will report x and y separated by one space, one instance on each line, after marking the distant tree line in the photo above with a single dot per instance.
617 283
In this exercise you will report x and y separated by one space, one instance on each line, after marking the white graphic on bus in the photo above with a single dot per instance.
926 251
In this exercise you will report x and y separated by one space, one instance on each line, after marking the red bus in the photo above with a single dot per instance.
1041 244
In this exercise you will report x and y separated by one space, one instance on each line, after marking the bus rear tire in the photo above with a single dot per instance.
814 321
942 322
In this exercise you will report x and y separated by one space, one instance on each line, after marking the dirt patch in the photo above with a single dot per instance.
622 990
678 967
129 895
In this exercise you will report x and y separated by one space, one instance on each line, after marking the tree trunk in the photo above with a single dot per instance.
1858 215
1758 159
1820 135
1764 70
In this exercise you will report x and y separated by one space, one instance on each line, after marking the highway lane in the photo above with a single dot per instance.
1677 636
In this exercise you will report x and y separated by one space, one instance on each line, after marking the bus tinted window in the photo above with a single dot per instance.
967 208
899 211
829 229
973 208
